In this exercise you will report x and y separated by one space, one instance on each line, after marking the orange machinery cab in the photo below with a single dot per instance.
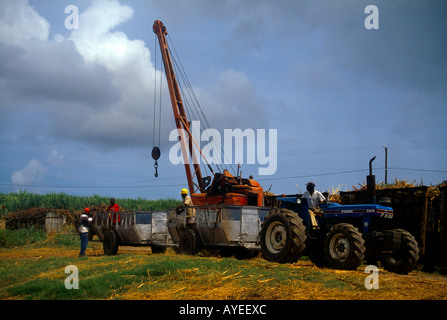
226 189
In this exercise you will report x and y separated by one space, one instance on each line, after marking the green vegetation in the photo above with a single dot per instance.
21 237
36 237
16 201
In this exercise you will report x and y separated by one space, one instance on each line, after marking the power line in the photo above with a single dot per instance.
313 175
421 170
88 187
179 185
350 171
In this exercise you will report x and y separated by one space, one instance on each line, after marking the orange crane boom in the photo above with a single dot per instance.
178 109
225 188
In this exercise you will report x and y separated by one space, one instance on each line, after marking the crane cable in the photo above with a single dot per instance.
192 104
156 153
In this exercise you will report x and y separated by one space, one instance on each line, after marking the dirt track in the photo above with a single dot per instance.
417 285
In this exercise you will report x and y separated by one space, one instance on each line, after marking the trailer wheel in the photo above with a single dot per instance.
90 234
110 244
189 242
405 260
282 236
242 253
157 249
344 247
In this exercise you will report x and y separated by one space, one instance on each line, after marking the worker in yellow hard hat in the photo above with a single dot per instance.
187 203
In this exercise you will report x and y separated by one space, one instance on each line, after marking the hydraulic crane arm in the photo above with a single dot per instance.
225 188
179 111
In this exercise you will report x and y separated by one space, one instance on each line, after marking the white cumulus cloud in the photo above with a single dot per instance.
19 22
31 173
96 85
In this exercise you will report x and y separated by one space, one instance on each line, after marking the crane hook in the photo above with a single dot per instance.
156 168
156 155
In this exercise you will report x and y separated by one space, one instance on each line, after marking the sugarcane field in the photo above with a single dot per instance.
220 159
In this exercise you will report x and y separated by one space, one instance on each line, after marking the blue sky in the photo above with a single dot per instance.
76 106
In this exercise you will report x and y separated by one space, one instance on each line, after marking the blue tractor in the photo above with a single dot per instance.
345 236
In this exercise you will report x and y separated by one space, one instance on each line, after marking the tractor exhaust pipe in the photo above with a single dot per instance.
371 185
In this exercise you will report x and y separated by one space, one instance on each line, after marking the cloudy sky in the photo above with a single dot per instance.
77 104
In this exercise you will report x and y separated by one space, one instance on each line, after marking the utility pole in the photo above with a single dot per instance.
386 164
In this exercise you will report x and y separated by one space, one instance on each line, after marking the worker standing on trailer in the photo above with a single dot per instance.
114 207
84 221
314 200
187 203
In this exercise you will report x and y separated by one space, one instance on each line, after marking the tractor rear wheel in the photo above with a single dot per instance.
404 260
189 242
344 247
110 244
283 236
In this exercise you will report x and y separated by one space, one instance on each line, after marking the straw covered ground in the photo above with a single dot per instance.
135 273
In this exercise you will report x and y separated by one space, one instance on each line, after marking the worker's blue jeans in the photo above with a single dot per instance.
84 242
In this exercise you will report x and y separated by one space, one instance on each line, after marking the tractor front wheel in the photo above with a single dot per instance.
344 247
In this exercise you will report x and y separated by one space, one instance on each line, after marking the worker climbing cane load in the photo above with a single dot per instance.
186 205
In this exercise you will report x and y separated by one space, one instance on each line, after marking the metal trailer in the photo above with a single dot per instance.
233 230
134 228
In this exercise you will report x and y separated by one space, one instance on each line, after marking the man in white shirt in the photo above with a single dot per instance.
84 221
314 200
